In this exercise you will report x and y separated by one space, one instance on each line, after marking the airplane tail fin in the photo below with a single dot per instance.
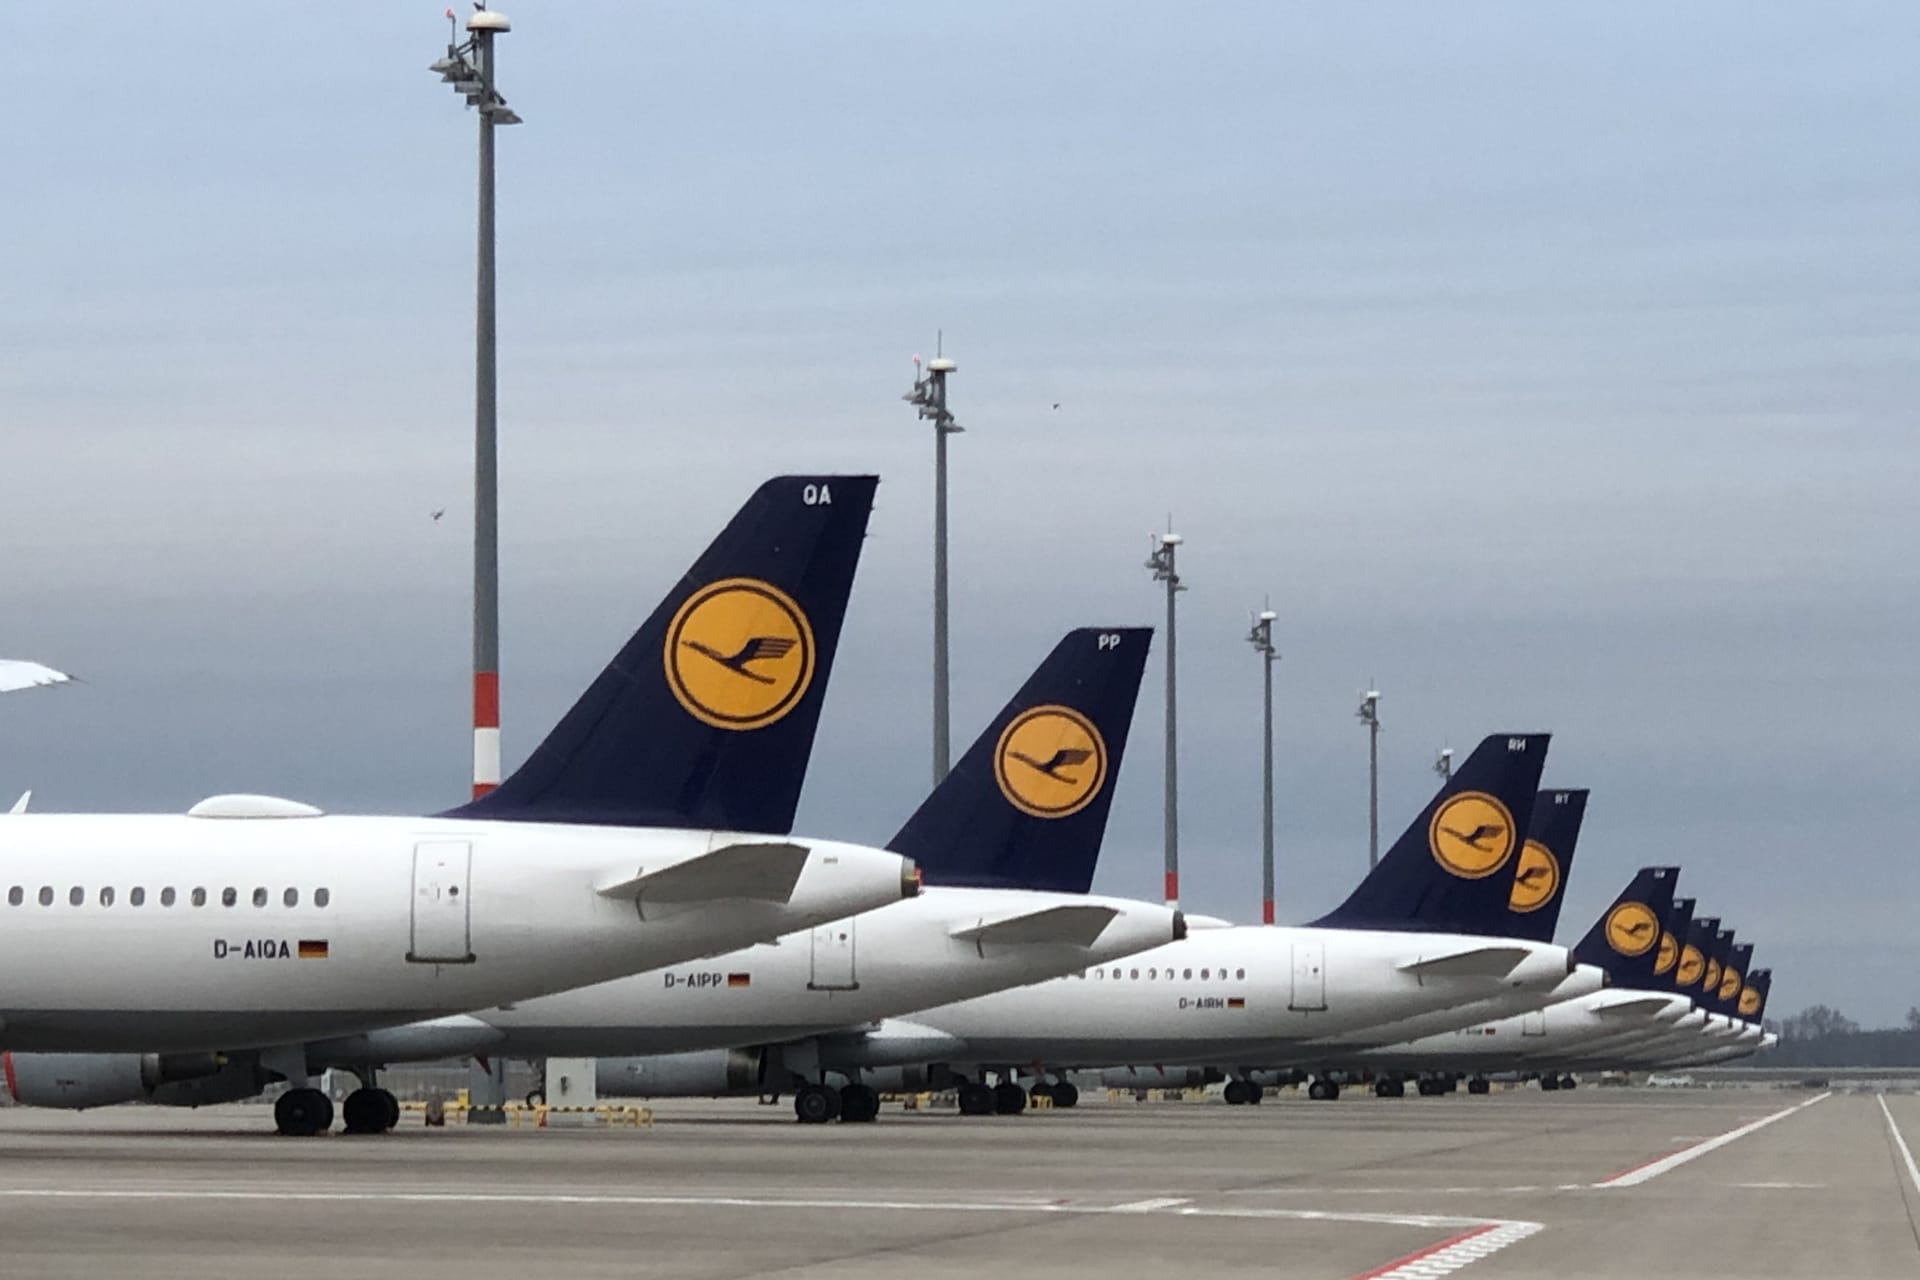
1753 996
1693 956
1026 806
1718 948
1452 870
1546 860
706 717
1673 934
1625 941
1733 976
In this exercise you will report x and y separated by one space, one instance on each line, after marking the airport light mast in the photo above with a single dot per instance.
468 68
1161 563
1261 638
1369 715
1443 764
929 396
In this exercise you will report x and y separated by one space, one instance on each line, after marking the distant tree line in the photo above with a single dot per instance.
1820 1036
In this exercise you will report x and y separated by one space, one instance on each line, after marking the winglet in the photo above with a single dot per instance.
706 717
1453 869
20 805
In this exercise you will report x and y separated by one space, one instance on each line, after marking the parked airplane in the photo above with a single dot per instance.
1027 805
1624 943
648 829
1240 994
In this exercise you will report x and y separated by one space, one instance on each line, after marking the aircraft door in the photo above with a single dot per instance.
1309 977
1534 1024
441 912
833 958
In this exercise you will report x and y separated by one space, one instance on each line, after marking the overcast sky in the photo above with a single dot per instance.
1552 367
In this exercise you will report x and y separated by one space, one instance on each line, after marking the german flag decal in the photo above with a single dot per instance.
1236 1002
313 949
739 979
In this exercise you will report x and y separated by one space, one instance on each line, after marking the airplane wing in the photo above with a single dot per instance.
1473 962
1076 926
764 871
1629 1006
16 673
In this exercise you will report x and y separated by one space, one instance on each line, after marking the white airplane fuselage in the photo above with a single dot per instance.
116 936
882 963
1558 1030
1240 995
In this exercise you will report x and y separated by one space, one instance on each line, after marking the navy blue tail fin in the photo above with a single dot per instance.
1673 936
1753 997
706 718
1626 940
1546 859
1693 956
1026 807
1733 976
1718 948
1452 870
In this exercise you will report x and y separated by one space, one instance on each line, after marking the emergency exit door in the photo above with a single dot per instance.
1309 977
1534 1024
441 914
833 957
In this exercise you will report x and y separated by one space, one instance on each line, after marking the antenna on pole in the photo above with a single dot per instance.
1161 562
929 397
1443 764
1369 715
1260 636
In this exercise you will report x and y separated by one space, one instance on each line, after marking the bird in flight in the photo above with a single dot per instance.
1051 766
758 649
1485 831
438 512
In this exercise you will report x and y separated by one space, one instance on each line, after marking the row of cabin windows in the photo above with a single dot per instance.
1153 975
137 896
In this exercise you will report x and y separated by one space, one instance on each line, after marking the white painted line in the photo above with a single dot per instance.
1654 1168
1148 1206
1913 1170
1177 1208
1449 1256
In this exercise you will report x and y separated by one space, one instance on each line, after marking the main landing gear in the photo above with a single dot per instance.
1384 1088
819 1103
1243 1093
370 1111
301 1113
1323 1091
1063 1093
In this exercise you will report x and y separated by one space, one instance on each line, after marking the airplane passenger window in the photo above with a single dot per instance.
46 895
229 896
1205 974
106 896
199 897
166 896
1188 973
76 895
1134 974
1239 974
291 897
321 897
260 897
1153 973
137 896
15 896
1099 974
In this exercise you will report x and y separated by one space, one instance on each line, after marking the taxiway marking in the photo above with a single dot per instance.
1893 1130
1452 1254
1666 1164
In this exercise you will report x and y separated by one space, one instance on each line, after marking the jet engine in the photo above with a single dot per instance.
704 1074
76 1081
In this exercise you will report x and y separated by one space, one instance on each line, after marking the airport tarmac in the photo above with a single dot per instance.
1610 1184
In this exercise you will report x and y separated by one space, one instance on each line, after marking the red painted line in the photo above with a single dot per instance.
1427 1252
1266 911
1173 886
481 788
6 1060
486 700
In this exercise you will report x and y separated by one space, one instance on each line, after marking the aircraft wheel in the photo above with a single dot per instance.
976 1100
1479 1086
1065 1094
816 1104
859 1104
1255 1094
536 1098
1550 1083
1235 1094
1568 1082
301 1113
367 1111
1041 1089
1009 1099
1317 1090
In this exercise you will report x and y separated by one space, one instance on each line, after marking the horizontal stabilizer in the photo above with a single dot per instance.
765 872
1632 1006
1475 962
1075 926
